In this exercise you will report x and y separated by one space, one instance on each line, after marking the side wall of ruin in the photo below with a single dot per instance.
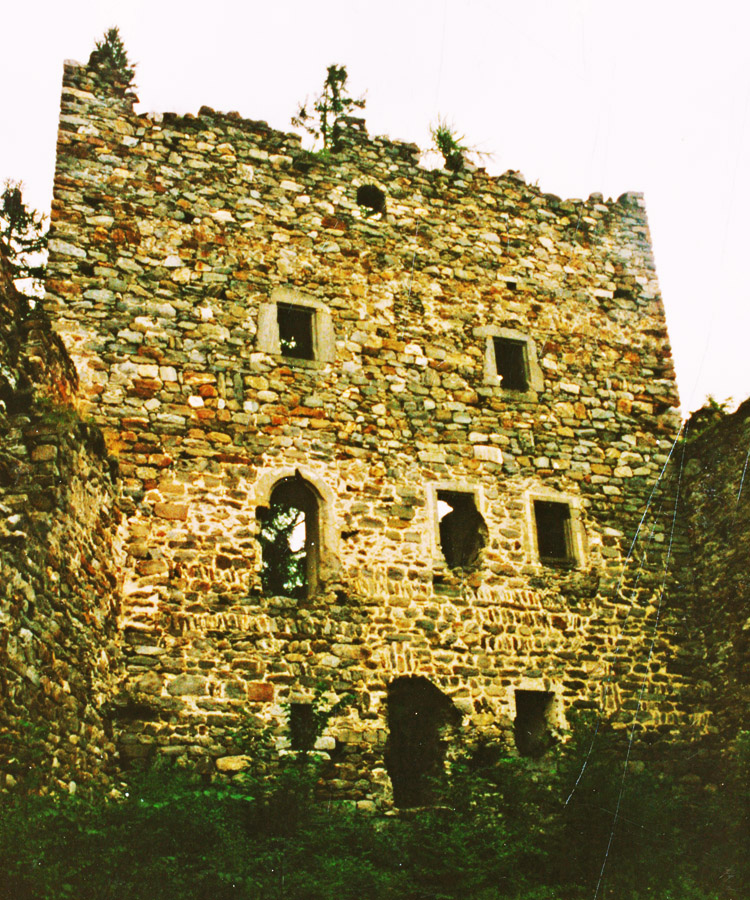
58 583
716 509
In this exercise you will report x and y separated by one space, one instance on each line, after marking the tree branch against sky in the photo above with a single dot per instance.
23 232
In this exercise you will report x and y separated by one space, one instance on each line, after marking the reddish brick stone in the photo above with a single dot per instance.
260 692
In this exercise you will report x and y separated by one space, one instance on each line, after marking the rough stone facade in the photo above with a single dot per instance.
715 506
474 342
58 563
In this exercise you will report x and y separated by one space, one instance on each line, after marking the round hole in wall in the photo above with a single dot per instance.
371 198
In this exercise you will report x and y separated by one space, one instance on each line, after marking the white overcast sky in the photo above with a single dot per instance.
581 96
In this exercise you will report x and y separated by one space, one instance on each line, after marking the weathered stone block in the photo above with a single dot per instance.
171 511
187 685
260 692
230 765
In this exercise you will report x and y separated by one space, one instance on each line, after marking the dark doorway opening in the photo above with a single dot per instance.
289 540
296 331
418 714
463 531
532 725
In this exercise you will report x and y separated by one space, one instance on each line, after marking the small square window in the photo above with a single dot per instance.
510 360
511 363
296 331
553 532
297 327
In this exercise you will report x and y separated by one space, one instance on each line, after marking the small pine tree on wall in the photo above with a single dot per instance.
333 102
110 57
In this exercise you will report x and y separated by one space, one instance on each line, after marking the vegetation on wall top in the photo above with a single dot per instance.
328 107
450 144
111 58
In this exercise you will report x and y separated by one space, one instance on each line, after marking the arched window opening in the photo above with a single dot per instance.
418 713
371 198
289 539
463 532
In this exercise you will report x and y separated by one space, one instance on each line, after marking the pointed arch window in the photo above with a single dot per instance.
290 539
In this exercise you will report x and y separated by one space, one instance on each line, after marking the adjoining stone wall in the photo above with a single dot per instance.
174 242
58 564
716 509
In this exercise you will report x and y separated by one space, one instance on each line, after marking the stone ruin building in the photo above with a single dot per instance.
294 429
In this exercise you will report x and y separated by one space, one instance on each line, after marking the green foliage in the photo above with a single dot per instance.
504 832
450 144
22 232
332 103
721 407
306 731
110 57
283 571
54 415
705 418
24 751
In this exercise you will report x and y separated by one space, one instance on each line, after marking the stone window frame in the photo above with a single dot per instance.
456 487
576 536
326 565
323 338
534 375
555 717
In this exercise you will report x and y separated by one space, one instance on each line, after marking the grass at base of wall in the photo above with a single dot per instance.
503 832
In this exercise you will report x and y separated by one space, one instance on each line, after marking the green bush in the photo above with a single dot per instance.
504 832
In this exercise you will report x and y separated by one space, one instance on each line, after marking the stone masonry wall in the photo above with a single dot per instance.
58 637
173 241
716 507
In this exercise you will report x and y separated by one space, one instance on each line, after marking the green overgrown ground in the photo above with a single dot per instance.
503 830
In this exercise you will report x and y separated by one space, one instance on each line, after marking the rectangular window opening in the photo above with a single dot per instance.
553 532
532 724
296 331
511 364
302 727
463 532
